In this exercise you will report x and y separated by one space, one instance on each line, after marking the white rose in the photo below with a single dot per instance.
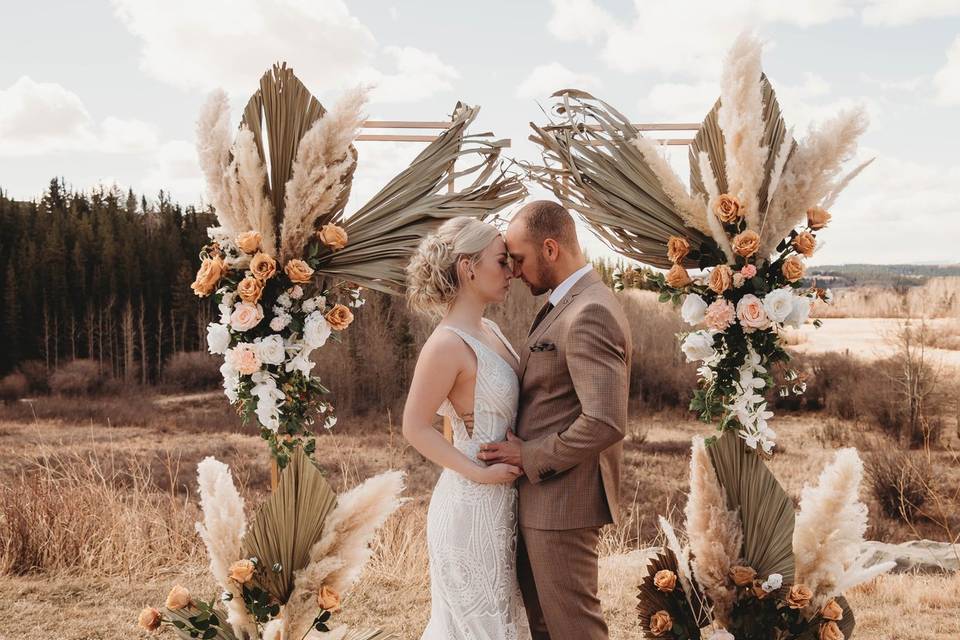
778 304
774 581
698 346
246 316
218 338
693 309
270 349
280 322
722 634
800 312
316 330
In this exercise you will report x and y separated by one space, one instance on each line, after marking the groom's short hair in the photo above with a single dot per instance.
548 219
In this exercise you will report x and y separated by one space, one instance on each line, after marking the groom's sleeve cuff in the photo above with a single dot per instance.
533 467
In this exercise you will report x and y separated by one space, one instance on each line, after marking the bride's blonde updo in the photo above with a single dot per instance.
432 273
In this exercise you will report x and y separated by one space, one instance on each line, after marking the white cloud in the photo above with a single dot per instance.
545 79
947 79
419 74
37 118
574 20
895 13
678 101
230 43
175 170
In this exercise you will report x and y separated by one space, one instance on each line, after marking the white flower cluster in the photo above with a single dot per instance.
750 406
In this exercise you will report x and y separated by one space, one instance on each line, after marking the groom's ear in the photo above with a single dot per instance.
551 249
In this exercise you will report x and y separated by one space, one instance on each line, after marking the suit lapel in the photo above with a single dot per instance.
581 284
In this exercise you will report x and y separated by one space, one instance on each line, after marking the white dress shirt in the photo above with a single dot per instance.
564 287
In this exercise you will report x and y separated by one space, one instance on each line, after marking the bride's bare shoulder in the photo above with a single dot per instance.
444 344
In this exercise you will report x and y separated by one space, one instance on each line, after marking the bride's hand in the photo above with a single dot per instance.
499 474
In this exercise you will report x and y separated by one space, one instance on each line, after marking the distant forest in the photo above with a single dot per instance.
889 275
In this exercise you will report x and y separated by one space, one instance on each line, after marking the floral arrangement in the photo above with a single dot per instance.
757 200
283 575
749 568
285 267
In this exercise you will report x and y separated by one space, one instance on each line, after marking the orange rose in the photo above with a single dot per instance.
241 571
832 611
817 218
742 576
805 243
339 317
793 268
211 270
678 277
746 244
250 289
263 266
150 619
721 278
799 596
677 249
727 208
758 590
665 580
333 236
298 271
660 623
249 241
328 599
178 598
830 631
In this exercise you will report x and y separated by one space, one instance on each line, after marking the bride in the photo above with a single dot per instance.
466 371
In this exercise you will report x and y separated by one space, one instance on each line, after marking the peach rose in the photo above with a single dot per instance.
830 631
799 596
727 208
720 314
150 619
298 271
250 289
805 243
178 598
742 576
241 571
748 271
758 591
665 580
333 236
249 241
677 249
660 623
751 313
793 268
328 599
747 243
263 266
339 317
721 278
677 277
244 359
211 270
245 316
832 611
817 218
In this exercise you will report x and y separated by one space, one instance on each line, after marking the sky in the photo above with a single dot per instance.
108 91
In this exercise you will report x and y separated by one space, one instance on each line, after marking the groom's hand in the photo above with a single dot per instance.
506 452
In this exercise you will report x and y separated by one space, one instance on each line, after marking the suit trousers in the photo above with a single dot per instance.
557 571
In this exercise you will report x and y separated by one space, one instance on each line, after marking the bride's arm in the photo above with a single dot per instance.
440 362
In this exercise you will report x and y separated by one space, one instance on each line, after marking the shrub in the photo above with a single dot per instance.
77 377
38 378
900 485
13 386
192 371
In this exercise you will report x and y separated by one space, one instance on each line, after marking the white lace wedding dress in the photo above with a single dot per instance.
472 528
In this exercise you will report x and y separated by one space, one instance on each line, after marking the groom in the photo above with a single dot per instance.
575 374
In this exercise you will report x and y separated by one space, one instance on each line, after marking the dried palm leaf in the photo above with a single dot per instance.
766 511
369 634
652 600
593 167
287 110
288 524
385 231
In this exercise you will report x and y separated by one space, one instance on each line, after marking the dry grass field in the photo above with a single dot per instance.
98 499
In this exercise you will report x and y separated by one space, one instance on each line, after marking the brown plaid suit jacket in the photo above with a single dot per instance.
575 375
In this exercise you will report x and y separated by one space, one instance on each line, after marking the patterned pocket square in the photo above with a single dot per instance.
543 346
